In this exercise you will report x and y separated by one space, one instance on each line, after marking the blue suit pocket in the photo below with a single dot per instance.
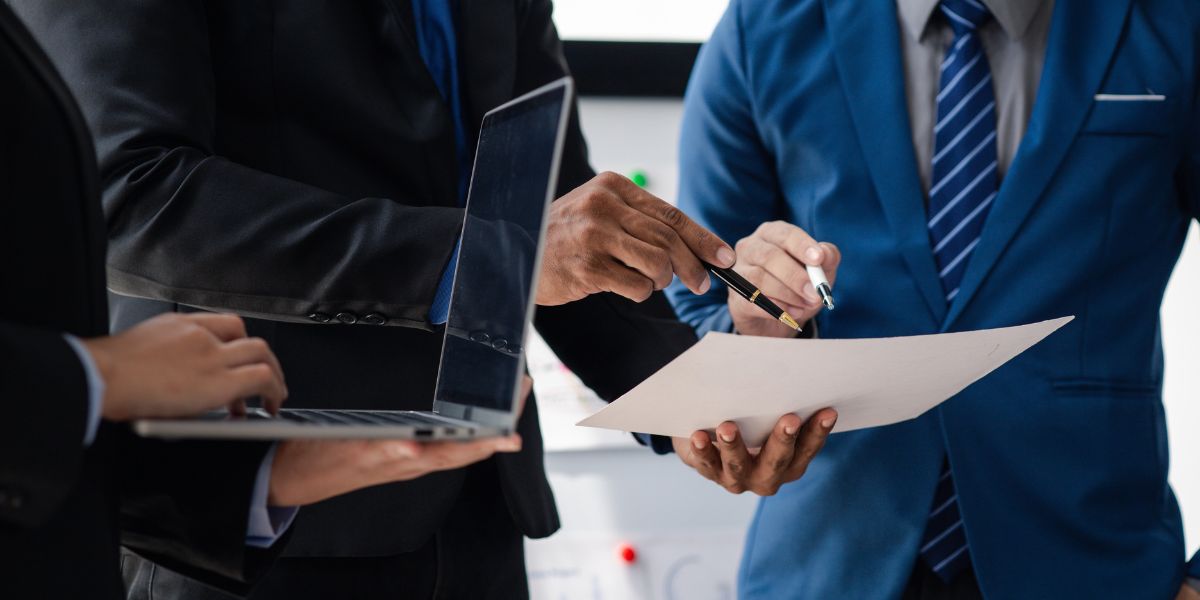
1085 386
1110 448
1131 117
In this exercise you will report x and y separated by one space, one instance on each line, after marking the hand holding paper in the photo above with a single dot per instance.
783 458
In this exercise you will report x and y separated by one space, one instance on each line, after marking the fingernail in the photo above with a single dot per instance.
727 437
697 444
789 429
725 257
509 446
704 287
828 422
813 255
810 293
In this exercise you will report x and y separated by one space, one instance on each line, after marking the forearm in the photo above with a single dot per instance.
206 232
187 506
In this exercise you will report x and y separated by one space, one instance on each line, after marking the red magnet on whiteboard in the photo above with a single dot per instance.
627 554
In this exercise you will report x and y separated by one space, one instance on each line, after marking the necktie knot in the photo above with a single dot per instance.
964 15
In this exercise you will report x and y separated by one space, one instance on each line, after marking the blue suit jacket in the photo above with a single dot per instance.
796 111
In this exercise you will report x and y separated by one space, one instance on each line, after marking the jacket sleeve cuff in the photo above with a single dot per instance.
1193 567
95 383
660 444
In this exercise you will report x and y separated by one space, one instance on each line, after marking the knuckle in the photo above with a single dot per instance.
742 249
779 464
610 179
672 216
594 266
734 487
593 202
735 467
659 234
261 373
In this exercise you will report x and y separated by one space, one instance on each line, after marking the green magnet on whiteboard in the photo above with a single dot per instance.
638 176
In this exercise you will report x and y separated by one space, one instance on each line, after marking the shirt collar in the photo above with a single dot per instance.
1014 16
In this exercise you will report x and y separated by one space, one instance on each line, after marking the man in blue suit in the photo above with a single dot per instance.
979 163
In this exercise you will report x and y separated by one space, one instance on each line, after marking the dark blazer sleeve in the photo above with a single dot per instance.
186 506
611 343
44 396
184 223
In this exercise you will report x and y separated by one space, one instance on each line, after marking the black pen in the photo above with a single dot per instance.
747 290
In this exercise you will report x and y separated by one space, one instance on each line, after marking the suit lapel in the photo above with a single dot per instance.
400 34
487 58
1083 36
867 53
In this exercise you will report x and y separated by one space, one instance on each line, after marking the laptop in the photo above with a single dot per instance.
478 390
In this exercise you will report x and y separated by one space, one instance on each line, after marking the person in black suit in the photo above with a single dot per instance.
303 164
73 480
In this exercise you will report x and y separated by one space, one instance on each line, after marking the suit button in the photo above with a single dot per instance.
348 318
480 336
499 344
374 319
319 317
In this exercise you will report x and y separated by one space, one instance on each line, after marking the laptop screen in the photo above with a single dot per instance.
499 256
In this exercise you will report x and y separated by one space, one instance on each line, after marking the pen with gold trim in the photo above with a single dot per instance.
747 290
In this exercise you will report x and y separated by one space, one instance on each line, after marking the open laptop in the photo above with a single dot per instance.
495 282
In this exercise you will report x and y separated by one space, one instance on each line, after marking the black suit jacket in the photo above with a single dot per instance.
293 161
61 503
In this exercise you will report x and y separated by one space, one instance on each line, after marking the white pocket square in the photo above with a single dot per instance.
1130 97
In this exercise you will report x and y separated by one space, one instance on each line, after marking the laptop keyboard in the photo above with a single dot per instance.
357 417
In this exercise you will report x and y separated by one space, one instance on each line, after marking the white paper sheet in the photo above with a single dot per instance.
755 380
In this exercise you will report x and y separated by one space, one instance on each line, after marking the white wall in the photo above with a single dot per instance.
1181 394
637 20
688 532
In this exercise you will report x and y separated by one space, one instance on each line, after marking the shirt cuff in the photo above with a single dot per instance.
719 320
660 444
267 523
95 385
439 310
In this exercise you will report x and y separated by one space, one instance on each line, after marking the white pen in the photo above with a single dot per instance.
821 282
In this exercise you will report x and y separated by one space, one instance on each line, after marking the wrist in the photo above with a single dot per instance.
110 406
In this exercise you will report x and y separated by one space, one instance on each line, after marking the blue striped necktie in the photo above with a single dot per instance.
964 184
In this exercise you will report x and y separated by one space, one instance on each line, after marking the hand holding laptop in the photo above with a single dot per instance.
308 471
